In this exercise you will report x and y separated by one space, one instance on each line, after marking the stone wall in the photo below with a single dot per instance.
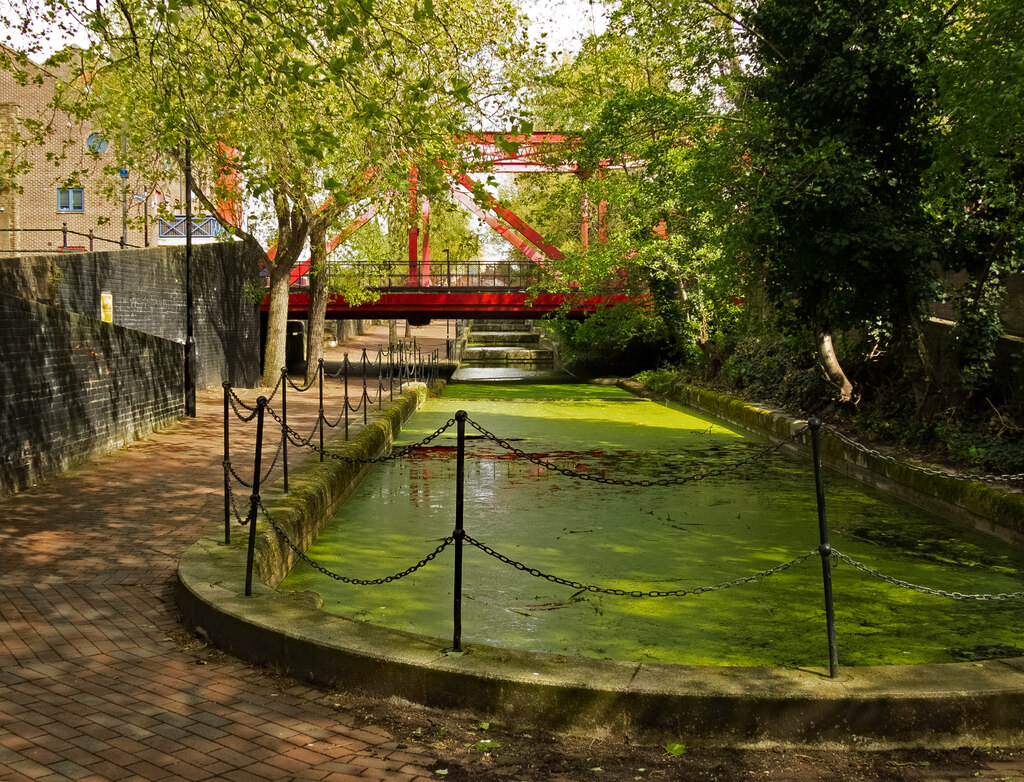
72 385
147 289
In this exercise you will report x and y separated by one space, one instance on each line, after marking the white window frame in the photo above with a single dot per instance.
67 197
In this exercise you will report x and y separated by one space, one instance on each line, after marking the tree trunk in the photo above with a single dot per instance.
392 331
408 330
829 363
277 325
318 295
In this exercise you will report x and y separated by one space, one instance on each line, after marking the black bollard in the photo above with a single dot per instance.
460 532
284 425
320 414
254 500
824 549
227 458
345 405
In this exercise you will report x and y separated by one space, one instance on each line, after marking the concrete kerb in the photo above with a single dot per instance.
990 509
928 705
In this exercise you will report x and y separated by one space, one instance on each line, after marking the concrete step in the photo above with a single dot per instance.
503 338
504 356
481 324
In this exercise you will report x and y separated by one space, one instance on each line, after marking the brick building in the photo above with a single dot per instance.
73 179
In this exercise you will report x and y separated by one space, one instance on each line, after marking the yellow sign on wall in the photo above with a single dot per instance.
107 307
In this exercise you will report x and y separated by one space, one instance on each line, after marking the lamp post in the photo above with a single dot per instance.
190 346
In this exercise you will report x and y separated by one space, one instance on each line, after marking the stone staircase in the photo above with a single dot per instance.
506 343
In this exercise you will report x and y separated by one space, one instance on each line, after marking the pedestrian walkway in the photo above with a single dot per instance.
95 682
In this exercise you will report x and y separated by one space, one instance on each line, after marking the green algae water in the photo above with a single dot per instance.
717 531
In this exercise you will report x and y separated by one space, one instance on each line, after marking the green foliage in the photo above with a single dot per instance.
255 291
834 209
621 339
675 749
772 367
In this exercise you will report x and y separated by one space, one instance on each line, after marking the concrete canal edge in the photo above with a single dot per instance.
928 705
989 509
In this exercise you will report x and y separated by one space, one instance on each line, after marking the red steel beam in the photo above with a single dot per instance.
436 304
503 230
510 217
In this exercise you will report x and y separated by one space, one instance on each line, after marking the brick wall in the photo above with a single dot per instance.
62 157
71 385
147 288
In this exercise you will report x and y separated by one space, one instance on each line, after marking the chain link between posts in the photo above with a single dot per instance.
994 477
580 586
298 439
345 579
837 555
701 476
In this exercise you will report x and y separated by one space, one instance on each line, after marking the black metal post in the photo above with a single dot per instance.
284 425
345 403
227 459
320 415
254 501
91 237
64 236
190 342
824 549
460 532
380 382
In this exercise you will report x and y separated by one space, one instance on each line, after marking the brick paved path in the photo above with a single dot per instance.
93 684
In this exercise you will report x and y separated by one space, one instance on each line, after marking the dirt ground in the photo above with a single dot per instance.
469 749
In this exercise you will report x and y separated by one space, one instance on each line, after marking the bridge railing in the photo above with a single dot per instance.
461 275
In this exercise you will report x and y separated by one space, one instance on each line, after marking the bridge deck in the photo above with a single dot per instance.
428 303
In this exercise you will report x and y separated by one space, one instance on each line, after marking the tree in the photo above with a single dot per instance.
299 102
976 180
832 208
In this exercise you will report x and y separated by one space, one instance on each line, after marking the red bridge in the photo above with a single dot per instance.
419 290
451 290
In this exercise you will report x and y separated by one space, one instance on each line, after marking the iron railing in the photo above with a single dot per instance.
463 275
202 227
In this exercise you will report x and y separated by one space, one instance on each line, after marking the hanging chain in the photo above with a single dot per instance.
298 439
231 501
920 468
345 579
637 593
703 475
923 589
236 402
300 389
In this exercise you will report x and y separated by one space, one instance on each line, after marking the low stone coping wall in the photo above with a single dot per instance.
928 705
991 509
318 489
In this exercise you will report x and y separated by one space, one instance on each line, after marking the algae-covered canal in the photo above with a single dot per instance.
653 538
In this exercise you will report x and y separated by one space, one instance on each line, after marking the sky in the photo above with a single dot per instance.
564 22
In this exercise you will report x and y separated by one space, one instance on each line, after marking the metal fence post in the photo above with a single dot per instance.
320 415
391 373
227 460
284 425
345 403
254 501
460 532
64 236
824 549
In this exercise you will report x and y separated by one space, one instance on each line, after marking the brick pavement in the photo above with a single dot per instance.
94 686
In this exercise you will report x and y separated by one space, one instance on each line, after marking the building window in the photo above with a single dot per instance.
70 199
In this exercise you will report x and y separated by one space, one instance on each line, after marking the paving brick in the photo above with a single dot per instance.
91 687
